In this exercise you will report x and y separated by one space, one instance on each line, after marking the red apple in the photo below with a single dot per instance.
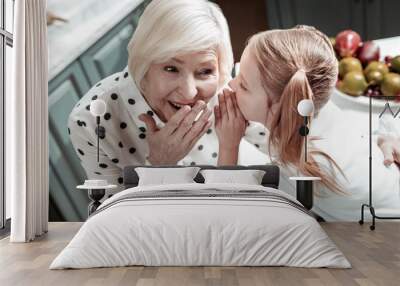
369 52
347 43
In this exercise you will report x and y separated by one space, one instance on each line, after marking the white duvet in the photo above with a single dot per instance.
183 231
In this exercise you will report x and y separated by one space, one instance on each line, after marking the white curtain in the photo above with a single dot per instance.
26 124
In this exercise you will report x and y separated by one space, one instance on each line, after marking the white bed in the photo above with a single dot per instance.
224 225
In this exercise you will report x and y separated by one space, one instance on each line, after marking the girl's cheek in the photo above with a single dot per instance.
242 104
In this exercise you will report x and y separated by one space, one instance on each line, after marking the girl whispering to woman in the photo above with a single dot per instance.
278 69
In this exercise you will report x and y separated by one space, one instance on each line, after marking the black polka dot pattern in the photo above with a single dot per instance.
115 160
94 97
209 131
97 85
81 123
142 135
151 113
214 155
258 146
131 101
87 107
120 145
200 147
120 180
97 173
262 133
125 74
117 78
122 125
114 96
107 116
142 129
81 152
69 131
102 165
132 150
90 144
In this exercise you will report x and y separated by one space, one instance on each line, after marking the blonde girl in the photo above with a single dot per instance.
278 69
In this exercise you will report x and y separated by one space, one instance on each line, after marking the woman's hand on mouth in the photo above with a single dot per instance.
230 126
176 139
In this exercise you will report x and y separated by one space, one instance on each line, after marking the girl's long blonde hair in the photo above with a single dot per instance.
296 64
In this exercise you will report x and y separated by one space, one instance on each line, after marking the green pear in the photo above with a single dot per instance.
349 64
374 77
353 83
375 65
391 84
395 64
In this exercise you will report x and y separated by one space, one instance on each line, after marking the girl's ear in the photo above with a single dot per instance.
272 111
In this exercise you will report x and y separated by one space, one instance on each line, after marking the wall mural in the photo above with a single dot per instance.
138 82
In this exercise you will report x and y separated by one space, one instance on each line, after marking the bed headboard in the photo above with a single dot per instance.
270 179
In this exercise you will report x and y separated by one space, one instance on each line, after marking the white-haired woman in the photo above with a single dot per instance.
159 108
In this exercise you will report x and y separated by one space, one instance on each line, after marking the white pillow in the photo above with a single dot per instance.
248 177
162 176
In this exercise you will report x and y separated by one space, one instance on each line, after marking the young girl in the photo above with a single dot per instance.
278 69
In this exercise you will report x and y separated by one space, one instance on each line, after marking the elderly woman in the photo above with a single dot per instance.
159 109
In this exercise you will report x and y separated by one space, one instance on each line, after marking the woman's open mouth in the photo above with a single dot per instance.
178 106
175 105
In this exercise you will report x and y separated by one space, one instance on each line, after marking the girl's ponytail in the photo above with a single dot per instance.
285 135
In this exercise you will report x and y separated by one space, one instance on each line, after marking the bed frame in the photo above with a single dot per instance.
270 179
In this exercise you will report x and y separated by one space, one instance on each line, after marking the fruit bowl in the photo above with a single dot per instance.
361 102
386 48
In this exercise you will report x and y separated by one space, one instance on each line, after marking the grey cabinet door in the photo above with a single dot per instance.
382 19
65 168
328 16
110 55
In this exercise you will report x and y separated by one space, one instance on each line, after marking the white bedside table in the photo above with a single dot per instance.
96 191
304 190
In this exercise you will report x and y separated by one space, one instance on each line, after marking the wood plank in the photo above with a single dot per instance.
375 257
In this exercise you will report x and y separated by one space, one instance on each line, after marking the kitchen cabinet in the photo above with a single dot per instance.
110 54
106 56
372 19
65 169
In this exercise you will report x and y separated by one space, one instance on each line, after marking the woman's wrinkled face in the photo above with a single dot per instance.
250 94
182 80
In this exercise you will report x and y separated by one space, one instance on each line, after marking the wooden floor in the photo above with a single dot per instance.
375 257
